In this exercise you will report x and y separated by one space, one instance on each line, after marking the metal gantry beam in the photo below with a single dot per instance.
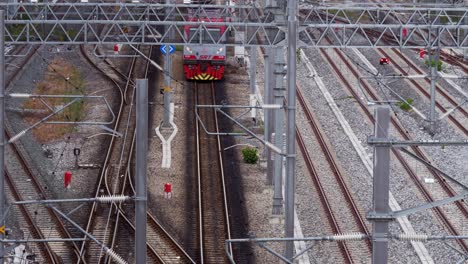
345 26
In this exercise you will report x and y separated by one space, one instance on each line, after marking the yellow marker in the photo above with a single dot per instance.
167 89
2 229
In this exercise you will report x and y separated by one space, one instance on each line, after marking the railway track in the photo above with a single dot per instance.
162 247
45 223
348 250
213 215
425 92
103 220
456 60
445 187
404 134
340 207
41 222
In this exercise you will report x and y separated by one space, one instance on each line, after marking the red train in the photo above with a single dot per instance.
202 60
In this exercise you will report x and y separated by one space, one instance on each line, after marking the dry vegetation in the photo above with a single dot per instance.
60 78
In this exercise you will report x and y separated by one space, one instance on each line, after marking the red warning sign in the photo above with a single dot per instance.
67 178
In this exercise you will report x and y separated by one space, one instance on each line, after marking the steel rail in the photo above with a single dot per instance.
26 165
209 186
316 179
360 222
167 242
123 158
102 179
23 161
439 89
332 219
126 148
449 58
47 251
156 231
405 135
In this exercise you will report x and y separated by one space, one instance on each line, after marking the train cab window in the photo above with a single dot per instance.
384 61
194 35
209 35
212 34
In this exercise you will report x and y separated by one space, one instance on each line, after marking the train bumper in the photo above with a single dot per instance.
206 73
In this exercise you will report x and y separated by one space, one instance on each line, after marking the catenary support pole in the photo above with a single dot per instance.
381 185
2 127
253 81
434 59
465 33
167 83
141 155
291 129
278 130
268 99
279 11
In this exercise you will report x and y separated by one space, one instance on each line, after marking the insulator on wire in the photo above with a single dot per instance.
412 237
115 257
112 198
348 237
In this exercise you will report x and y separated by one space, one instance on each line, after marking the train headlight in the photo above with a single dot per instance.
188 49
219 50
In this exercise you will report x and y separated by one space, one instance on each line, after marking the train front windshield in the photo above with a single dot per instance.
210 35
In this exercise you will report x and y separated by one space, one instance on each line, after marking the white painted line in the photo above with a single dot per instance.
454 85
416 76
166 144
419 247
365 61
298 245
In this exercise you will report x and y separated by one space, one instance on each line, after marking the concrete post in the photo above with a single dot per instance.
381 185
291 129
434 58
2 126
167 85
253 81
141 166
268 99
279 11
278 130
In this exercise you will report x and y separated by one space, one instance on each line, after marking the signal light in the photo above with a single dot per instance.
384 61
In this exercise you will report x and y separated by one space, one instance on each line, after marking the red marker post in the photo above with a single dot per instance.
421 53
405 32
67 178
167 190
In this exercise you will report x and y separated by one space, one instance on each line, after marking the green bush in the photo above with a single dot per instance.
250 155
405 105
433 63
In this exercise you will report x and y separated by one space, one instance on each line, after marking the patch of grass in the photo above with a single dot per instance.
60 78
405 106
250 155
434 63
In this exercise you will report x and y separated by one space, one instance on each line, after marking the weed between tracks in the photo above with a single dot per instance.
61 78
